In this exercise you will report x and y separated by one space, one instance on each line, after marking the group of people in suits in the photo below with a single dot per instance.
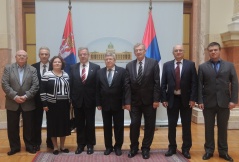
112 90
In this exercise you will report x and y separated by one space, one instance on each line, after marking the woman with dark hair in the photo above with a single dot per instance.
55 95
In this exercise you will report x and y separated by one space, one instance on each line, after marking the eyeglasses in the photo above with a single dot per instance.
178 50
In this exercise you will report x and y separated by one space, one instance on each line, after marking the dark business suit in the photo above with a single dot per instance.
83 98
141 98
176 103
38 112
12 87
110 98
215 91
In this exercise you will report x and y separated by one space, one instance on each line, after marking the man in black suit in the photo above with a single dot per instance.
217 95
179 94
83 96
109 99
42 67
142 96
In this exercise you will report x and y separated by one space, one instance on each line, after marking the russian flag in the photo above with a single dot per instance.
150 40
67 48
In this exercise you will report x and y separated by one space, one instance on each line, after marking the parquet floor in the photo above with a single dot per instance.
160 141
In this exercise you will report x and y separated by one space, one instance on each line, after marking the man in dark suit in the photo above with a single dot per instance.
142 96
83 96
179 94
217 95
20 83
42 67
109 99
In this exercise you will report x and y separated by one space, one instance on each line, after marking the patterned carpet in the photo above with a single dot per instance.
98 156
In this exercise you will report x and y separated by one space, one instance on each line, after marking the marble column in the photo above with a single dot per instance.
10 41
230 41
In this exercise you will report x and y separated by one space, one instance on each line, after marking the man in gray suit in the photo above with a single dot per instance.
142 96
217 95
20 83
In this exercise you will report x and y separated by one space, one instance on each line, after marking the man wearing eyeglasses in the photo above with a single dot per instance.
217 95
20 84
83 96
179 94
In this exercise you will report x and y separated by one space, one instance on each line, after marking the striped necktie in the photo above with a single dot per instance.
83 74
140 73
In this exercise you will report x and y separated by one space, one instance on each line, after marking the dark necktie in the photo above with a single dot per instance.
109 77
215 66
177 75
140 73
83 75
44 69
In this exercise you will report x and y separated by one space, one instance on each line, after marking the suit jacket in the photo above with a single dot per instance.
188 83
110 97
37 96
149 90
11 86
80 92
217 89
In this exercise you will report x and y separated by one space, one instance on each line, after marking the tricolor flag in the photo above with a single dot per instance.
150 40
67 48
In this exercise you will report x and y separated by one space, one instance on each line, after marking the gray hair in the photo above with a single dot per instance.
110 54
83 48
44 48
139 44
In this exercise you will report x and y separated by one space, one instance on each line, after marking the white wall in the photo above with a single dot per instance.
97 22
221 12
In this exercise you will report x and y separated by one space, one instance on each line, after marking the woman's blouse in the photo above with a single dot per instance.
54 87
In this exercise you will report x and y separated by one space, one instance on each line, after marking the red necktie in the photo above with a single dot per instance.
177 75
83 75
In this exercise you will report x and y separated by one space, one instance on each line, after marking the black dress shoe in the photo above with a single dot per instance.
186 154
207 156
226 157
145 154
65 150
132 153
50 146
79 150
90 150
31 150
118 151
108 151
170 152
12 152
55 152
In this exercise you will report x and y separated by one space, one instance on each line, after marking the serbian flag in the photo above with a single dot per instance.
67 48
150 40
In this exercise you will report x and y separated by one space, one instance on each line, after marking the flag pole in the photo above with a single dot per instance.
69 5
150 5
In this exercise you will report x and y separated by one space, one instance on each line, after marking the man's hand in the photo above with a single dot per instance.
231 105
201 106
20 99
165 104
192 104
155 105
127 107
